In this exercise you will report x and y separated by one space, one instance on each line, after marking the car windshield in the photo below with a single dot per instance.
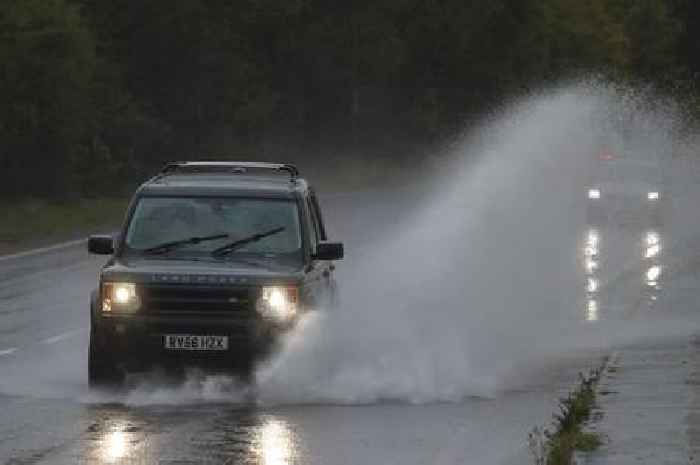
212 223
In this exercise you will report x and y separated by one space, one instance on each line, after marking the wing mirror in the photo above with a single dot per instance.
329 251
101 245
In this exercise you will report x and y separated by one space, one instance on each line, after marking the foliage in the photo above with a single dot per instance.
557 447
33 220
93 92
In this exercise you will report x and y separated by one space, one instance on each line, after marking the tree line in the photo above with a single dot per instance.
96 92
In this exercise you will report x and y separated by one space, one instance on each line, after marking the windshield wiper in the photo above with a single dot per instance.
232 246
168 246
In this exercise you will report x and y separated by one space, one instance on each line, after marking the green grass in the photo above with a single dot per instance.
557 447
33 221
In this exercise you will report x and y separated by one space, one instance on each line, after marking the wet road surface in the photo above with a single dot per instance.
50 417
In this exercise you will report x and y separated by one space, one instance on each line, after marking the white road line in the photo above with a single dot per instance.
8 351
62 336
51 248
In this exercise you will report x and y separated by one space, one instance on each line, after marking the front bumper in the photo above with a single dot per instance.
137 342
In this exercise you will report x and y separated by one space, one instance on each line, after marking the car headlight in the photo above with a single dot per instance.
652 195
279 302
120 297
593 193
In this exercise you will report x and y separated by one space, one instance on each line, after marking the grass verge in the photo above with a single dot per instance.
557 446
30 222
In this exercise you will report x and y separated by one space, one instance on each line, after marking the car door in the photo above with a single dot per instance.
319 272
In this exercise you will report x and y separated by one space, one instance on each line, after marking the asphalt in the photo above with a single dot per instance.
49 416
648 408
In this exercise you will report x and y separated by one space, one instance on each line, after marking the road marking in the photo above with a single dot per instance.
62 336
51 248
8 351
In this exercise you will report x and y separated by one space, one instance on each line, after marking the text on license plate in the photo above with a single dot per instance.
195 342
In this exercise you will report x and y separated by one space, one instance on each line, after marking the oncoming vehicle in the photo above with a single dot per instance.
214 262
626 193
626 204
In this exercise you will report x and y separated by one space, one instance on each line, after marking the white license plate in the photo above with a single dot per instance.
195 342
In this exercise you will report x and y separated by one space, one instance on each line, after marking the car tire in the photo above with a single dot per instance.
103 372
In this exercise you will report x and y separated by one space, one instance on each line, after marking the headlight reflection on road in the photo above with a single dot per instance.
593 238
653 274
122 441
652 251
590 251
274 444
592 285
652 238
592 310
114 447
591 247
591 265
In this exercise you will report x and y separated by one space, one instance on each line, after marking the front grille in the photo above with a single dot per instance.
202 301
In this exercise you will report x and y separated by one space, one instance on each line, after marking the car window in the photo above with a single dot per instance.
312 225
319 217
161 219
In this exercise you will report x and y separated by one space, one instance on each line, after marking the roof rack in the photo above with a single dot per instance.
235 167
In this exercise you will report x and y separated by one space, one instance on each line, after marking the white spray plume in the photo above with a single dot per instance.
478 283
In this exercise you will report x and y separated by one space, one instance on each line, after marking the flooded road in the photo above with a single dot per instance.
474 431
459 327
50 416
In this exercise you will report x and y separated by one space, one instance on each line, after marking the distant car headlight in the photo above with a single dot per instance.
120 297
279 302
653 195
593 194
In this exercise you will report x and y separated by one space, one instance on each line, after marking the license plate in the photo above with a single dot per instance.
195 342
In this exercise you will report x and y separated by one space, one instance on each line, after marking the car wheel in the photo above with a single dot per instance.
103 372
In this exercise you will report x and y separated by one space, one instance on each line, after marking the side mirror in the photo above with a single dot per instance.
329 251
101 245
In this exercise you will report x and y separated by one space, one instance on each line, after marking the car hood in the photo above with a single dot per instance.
174 271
